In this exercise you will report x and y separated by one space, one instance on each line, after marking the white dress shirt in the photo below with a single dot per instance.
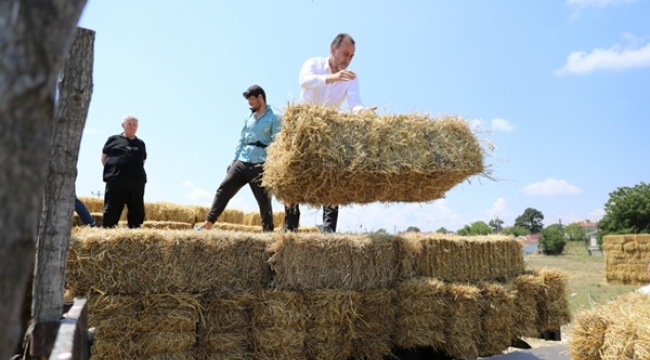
314 90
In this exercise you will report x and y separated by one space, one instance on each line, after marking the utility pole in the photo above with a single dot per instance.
98 193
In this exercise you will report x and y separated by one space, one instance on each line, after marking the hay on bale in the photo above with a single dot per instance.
135 346
184 355
232 346
463 326
373 325
164 211
225 329
497 318
166 225
254 218
553 307
121 261
333 261
367 157
278 325
421 313
330 324
617 329
461 258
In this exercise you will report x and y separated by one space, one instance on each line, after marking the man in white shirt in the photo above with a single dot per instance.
645 289
327 81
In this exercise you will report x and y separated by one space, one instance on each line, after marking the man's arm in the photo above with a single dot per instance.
240 144
310 77
354 99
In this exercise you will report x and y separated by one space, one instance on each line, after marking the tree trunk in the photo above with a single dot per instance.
75 91
34 38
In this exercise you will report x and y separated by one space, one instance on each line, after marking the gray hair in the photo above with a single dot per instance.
129 117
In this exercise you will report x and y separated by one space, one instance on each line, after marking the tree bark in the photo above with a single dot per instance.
75 91
34 38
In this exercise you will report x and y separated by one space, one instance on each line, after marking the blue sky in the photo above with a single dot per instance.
562 86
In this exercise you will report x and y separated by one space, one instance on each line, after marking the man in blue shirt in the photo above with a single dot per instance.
260 129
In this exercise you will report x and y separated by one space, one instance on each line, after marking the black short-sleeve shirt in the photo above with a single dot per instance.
124 158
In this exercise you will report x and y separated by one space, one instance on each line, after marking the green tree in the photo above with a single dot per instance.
552 240
412 229
515 231
575 232
496 224
442 230
531 219
476 228
627 211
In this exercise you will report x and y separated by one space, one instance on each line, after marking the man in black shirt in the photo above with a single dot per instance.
123 158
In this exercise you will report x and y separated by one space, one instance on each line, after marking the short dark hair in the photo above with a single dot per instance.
254 90
336 43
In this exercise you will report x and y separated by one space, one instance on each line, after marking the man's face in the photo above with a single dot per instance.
130 128
648 271
343 55
255 103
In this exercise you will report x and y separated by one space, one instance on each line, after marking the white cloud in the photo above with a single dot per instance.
601 3
496 125
502 125
551 187
195 193
596 214
617 57
498 209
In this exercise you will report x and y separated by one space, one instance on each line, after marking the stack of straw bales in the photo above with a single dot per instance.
162 215
617 329
297 296
626 258
326 157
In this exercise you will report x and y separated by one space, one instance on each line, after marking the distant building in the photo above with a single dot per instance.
588 226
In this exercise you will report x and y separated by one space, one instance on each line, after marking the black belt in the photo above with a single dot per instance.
258 144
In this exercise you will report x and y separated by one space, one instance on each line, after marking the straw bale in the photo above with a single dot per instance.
617 329
278 325
553 307
130 261
231 346
421 313
115 315
254 218
374 325
367 157
232 216
227 312
330 325
333 261
463 326
184 355
461 258
164 211
93 204
135 346
497 318
529 288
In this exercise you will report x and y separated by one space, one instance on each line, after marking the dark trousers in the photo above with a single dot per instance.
84 215
240 174
124 191
292 218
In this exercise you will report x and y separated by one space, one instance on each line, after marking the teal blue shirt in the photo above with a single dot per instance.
263 129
